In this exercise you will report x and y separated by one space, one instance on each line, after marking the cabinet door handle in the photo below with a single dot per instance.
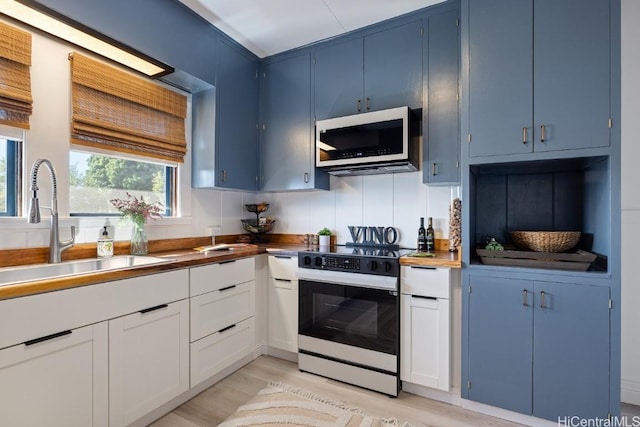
227 288
359 104
525 135
150 309
306 177
226 329
47 338
434 169
543 294
224 175
525 298
423 297
543 133
283 280
367 102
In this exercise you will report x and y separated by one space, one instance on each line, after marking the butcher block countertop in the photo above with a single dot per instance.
181 254
441 259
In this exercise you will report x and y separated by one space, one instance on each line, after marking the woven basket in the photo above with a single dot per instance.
545 241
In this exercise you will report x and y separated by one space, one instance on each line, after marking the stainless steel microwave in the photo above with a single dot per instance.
368 143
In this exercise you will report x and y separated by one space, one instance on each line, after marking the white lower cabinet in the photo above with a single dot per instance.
221 349
283 303
148 360
58 381
222 316
425 326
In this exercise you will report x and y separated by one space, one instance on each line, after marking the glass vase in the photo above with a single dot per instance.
139 241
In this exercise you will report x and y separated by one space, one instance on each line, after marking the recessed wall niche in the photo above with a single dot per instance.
548 195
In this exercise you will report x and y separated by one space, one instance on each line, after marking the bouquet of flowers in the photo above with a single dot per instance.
138 210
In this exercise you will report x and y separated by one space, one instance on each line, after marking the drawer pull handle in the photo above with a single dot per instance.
227 288
150 309
283 280
47 338
227 328
423 267
424 297
227 262
282 256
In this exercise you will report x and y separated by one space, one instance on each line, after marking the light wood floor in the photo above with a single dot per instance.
215 404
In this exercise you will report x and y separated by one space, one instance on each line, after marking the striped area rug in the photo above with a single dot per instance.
282 405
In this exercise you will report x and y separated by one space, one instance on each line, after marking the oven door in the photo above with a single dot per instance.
350 314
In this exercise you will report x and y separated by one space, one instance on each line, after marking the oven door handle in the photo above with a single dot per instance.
370 281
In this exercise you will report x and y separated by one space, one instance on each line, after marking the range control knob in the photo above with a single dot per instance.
373 265
318 261
306 260
388 267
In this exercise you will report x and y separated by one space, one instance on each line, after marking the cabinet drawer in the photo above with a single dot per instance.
217 351
283 267
216 310
217 276
425 281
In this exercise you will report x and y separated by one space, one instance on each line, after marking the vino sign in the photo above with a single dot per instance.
384 237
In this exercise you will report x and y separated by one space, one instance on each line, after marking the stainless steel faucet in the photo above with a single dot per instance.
56 246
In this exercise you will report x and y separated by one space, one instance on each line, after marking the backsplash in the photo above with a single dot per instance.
396 200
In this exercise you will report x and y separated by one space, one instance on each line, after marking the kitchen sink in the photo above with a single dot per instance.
12 275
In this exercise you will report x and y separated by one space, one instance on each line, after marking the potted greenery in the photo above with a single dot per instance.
324 237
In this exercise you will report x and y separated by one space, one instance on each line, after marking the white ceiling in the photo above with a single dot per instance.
267 27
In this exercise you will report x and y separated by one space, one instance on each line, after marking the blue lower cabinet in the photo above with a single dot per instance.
500 343
538 348
571 351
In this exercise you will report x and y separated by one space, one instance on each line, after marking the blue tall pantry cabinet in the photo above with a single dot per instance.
540 127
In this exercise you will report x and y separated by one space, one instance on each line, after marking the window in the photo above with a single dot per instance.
95 179
9 172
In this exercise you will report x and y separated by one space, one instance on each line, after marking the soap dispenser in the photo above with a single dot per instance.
105 244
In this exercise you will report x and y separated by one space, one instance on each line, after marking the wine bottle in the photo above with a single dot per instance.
422 237
430 240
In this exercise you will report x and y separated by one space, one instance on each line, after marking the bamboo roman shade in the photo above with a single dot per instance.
15 76
121 112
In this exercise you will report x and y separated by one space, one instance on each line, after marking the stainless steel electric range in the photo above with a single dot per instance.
349 315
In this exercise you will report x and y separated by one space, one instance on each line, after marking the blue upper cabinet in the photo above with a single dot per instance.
287 156
224 149
236 142
500 76
441 149
393 68
538 76
374 72
338 79
571 74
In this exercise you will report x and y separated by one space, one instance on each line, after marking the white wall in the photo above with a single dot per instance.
630 377
397 200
